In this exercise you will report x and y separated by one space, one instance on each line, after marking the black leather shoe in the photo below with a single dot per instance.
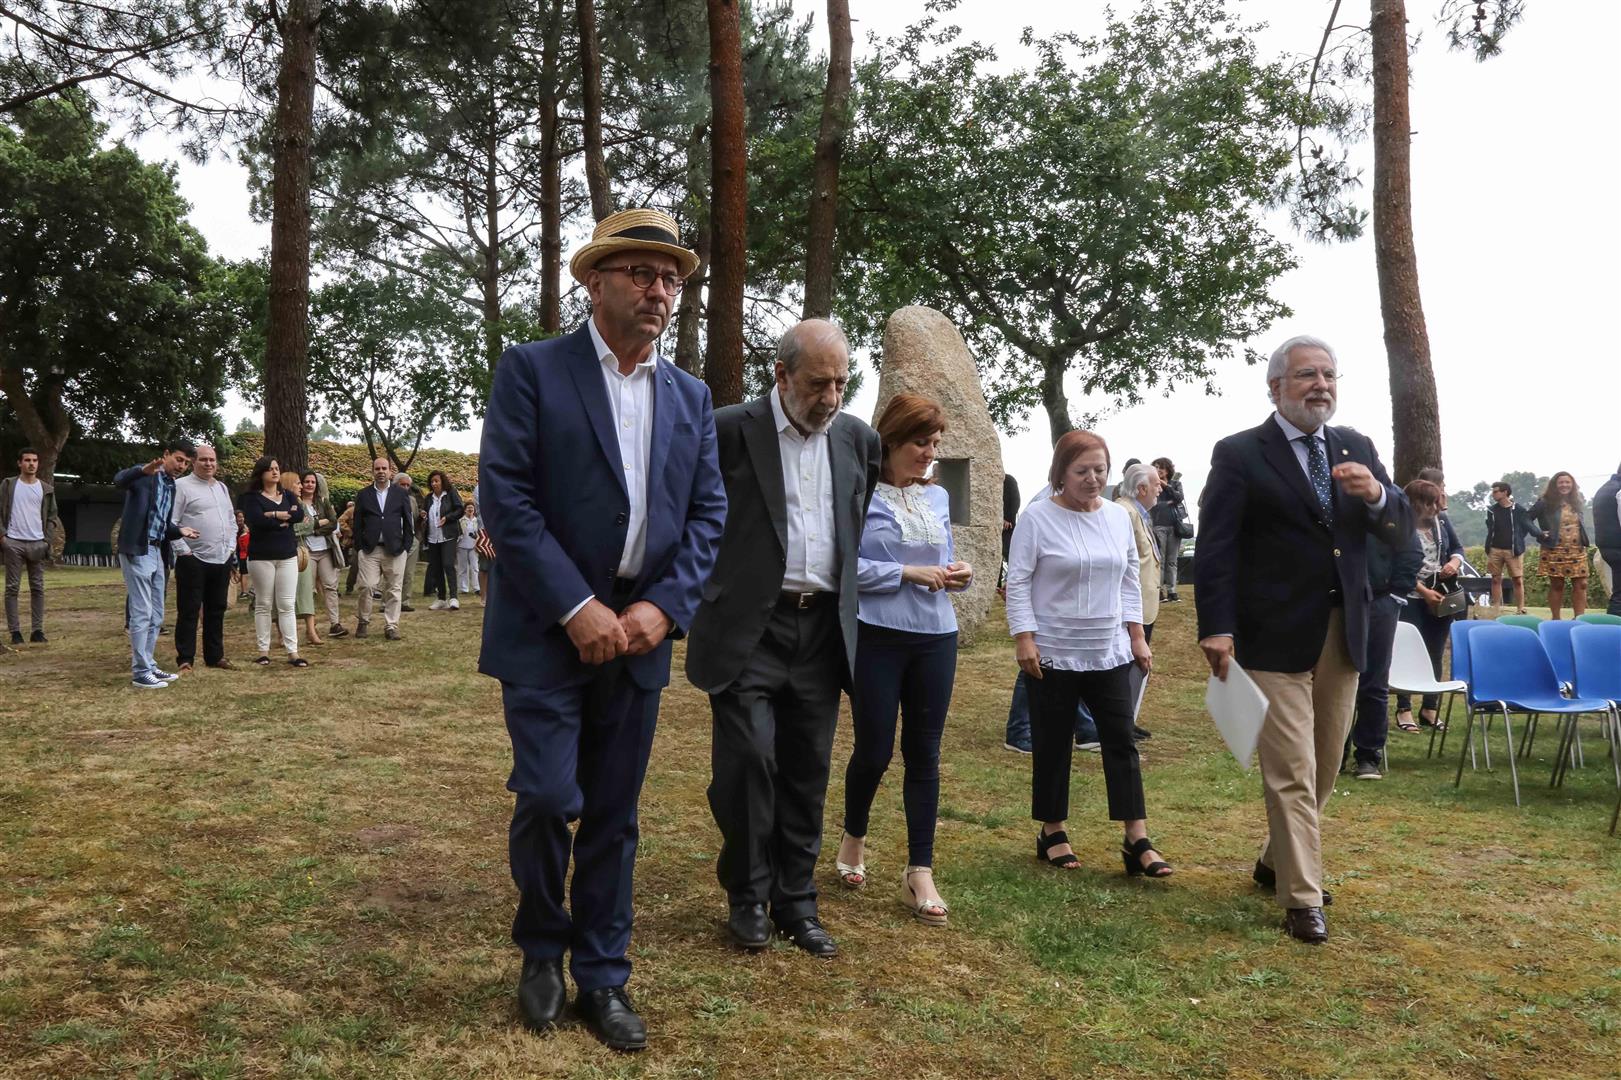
1267 878
748 926
541 993
808 935
1306 924
608 1013
37 637
16 637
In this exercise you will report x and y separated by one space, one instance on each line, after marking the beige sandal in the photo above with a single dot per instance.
931 912
853 877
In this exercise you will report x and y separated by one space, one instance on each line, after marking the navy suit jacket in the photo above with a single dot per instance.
553 499
140 490
1268 567
389 527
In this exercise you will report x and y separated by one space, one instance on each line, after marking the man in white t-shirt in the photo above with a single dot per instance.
28 526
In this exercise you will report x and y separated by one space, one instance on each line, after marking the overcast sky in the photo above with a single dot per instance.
1516 220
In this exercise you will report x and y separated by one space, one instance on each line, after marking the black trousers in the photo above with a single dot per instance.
1372 726
770 757
1053 699
205 586
441 569
911 675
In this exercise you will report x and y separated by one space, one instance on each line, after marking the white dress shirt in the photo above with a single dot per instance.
436 527
205 505
630 404
1072 579
807 487
382 498
1297 443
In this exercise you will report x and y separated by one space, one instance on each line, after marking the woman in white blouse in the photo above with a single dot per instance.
906 654
1074 607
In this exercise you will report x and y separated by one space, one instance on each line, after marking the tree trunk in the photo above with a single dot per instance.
723 361
824 203
287 333
689 314
596 164
490 285
1415 408
47 427
1053 398
551 179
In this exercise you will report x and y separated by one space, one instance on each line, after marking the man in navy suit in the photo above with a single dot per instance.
601 493
1282 587
382 525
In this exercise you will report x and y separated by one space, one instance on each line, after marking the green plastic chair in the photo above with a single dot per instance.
1530 622
1601 618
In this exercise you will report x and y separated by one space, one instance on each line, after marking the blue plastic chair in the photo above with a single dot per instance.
1596 649
1600 618
1461 629
1510 672
1555 635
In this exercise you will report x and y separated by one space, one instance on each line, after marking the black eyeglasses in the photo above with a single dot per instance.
644 276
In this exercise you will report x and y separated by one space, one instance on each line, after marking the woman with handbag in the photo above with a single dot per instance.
326 556
1171 526
1436 599
271 514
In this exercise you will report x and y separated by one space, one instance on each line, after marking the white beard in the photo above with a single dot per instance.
1306 417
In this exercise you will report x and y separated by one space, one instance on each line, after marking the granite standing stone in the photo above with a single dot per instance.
924 354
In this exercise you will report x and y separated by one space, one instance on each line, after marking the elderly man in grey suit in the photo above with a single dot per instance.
774 640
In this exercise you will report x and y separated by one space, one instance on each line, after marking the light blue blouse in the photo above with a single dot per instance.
908 526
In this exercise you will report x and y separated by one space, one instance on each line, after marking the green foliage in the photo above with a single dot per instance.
1096 213
1536 585
111 309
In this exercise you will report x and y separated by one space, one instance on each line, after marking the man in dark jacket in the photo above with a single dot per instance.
1507 526
1392 573
1607 533
29 530
144 534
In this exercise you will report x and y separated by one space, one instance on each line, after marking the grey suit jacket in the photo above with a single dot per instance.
740 594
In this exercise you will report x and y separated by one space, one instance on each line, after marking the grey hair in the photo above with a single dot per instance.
1136 476
1279 363
791 347
404 478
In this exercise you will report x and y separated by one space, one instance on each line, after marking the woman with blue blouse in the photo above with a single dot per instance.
906 654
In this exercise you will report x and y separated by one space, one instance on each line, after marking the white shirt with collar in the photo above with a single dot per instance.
205 505
630 405
807 487
1297 443
436 528
382 496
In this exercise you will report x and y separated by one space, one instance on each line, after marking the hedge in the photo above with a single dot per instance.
347 466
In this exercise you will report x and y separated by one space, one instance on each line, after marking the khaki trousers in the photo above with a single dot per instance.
378 565
1302 741
326 581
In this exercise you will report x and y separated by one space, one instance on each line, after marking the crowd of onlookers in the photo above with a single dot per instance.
282 545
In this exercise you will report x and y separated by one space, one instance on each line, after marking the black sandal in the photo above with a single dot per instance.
299 661
1045 840
263 661
1132 856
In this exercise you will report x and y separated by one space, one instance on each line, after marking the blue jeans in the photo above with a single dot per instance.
144 580
1018 717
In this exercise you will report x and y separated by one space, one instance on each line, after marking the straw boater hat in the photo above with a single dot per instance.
633 230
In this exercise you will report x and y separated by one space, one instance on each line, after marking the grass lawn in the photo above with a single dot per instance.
283 873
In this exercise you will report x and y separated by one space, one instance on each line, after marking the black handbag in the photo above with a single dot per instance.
1184 527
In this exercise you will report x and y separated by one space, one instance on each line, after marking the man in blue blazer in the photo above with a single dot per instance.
602 496
1281 574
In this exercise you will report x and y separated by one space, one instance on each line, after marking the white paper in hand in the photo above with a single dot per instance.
1239 709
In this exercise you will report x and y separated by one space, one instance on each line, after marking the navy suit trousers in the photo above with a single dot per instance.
1372 725
579 753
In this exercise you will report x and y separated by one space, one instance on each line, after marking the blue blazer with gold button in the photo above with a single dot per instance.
552 496
1270 566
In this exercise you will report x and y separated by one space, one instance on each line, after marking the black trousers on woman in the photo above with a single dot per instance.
441 568
1053 699
898 672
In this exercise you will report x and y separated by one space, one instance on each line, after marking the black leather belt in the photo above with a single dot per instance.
804 601
624 586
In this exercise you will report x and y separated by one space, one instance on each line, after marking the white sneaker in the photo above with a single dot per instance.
149 682
166 676
452 605
1090 747
437 605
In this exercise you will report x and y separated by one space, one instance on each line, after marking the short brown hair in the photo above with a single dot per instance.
908 417
1422 491
1069 447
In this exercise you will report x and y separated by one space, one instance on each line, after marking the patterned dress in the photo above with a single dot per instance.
1567 558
